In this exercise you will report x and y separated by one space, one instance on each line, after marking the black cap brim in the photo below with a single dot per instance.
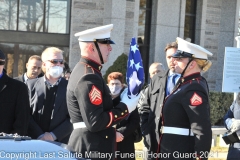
182 54
105 41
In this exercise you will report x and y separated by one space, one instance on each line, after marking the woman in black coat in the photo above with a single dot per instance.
126 128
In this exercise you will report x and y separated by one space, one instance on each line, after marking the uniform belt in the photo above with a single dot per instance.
175 130
79 125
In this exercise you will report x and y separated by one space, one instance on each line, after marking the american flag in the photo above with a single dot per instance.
135 71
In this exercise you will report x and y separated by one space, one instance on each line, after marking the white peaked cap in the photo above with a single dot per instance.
90 35
196 50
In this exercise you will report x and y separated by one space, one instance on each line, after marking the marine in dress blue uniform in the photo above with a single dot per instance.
186 128
90 105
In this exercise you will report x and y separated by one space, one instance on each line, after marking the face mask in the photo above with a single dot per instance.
55 71
115 90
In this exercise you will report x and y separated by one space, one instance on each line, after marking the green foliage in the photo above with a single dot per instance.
219 105
120 65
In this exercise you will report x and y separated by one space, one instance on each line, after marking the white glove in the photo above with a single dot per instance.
238 134
235 125
131 103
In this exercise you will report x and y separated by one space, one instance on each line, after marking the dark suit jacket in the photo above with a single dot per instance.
60 124
14 106
20 78
150 111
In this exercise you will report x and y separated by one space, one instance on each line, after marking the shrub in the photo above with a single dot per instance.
119 65
219 105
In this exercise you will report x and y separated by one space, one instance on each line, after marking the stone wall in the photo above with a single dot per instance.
219 33
93 13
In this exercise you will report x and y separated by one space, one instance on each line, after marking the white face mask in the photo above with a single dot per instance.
55 71
115 89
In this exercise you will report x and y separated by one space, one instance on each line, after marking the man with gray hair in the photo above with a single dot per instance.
49 115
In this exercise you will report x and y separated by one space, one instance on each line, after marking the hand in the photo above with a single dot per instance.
131 103
235 125
47 136
119 137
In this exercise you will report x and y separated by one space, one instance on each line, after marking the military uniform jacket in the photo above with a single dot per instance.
150 111
89 101
14 106
187 107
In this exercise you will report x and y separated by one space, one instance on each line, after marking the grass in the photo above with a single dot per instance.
216 151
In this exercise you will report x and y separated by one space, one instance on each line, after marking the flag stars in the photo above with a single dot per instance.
132 63
137 66
134 48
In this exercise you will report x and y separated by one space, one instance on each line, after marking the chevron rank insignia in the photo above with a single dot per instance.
196 100
95 96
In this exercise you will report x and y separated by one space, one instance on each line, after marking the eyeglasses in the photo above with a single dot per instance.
55 61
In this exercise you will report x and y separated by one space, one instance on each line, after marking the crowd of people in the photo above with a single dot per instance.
51 102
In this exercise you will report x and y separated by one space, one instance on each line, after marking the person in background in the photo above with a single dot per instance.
49 114
66 71
232 123
89 103
14 103
186 111
126 128
150 107
33 67
155 68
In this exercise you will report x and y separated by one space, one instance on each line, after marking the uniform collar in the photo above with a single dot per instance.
91 63
190 77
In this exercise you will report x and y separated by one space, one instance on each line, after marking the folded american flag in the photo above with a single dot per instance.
135 71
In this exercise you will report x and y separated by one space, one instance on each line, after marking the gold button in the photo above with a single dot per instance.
106 136
122 113
126 111
115 116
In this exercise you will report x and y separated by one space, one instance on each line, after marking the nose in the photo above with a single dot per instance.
174 61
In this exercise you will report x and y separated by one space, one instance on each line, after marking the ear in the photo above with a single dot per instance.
26 65
193 64
90 48
43 64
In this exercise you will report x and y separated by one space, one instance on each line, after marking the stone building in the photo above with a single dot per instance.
29 26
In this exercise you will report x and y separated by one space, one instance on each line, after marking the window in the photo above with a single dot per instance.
17 56
8 14
49 16
190 18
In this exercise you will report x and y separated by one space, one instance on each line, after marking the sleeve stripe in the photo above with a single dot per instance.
111 119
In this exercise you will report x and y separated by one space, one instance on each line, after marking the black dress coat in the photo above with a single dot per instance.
150 111
60 122
14 106
187 107
89 101
127 127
